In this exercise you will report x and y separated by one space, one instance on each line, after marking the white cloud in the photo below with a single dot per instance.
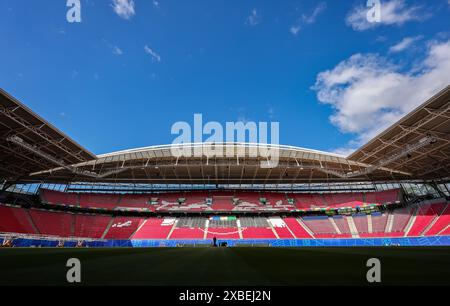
311 18
155 56
155 3
368 92
344 151
117 50
124 8
254 18
404 44
294 30
114 49
380 38
393 12
308 18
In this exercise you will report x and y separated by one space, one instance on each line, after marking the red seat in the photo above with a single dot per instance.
155 228
258 233
57 197
53 223
281 228
15 220
90 226
296 228
425 215
223 233
441 223
187 233
123 227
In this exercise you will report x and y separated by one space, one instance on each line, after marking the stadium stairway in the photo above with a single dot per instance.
336 228
305 228
72 226
238 222
118 201
426 216
205 234
401 219
30 219
274 231
389 223
281 228
352 226
121 227
411 221
108 227
154 228
438 209
138 228
433 222
172 229
369 224
440 223
342 223
445 231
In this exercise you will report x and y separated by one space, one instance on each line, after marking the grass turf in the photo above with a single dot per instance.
226 266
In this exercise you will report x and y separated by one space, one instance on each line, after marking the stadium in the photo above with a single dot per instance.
390 197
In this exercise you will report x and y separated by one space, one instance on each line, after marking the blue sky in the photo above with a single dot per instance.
130 69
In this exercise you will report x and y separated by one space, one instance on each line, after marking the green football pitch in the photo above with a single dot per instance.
226 266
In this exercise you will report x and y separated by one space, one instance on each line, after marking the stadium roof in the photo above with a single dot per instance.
18 122
231 163
416 147
431 119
